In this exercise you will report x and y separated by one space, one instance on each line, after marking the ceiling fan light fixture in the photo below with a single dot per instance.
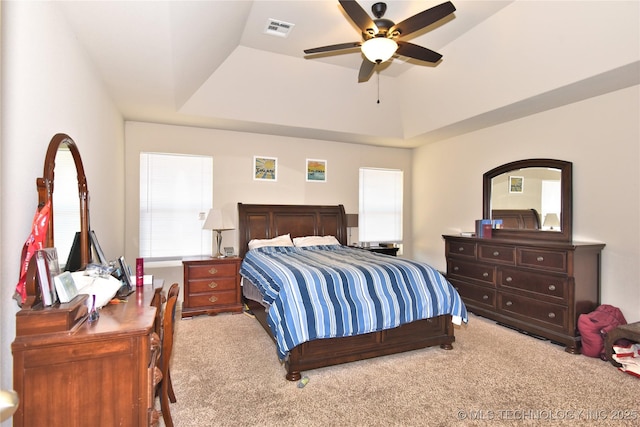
379 49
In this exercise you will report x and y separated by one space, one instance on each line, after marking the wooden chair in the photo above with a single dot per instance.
168 323
174 290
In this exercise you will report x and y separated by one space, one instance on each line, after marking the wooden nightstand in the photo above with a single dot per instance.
393 251
211 286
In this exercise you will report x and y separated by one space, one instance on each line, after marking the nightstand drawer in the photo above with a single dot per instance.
208 270
213 299
211 284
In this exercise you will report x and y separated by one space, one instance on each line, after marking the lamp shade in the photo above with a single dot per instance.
379 49
551 220
216 221
352 220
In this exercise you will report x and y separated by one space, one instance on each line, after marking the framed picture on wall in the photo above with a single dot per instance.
265 168
316 170
516 184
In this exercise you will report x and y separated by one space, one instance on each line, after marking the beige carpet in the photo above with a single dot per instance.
226 372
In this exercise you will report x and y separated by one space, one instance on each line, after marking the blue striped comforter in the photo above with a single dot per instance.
332 291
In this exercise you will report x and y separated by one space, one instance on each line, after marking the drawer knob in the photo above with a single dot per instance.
540 259
509 304
213 285
213 298
485 274
460 249
213 270
552 315
456 268
496 253
509 279
485 297
552 287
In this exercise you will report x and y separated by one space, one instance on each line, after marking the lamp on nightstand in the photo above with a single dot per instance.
551 220
217 222
352 221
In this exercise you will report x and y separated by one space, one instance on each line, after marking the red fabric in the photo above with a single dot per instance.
595 325
33 243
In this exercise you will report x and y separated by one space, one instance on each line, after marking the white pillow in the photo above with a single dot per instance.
284 240
315 240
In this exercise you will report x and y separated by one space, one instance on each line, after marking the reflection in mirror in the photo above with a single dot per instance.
66 204
536 190
533 197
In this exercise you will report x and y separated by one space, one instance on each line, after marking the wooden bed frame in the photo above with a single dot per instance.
268 221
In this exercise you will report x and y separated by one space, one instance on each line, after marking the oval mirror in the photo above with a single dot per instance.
63 149
531 197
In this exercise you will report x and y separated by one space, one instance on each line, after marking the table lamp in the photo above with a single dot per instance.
216 222
352 222
551 220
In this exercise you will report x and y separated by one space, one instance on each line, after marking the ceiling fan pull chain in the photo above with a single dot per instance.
378 87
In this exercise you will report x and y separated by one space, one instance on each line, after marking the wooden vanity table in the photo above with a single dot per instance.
67 371
92 374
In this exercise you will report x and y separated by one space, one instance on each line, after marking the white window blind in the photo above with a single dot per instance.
380 212
176 192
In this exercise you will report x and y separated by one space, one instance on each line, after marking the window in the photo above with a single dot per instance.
176 192
380 213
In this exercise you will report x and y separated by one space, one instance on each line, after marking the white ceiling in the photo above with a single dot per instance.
210 64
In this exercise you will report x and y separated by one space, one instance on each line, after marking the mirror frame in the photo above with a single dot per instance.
45 187
566 216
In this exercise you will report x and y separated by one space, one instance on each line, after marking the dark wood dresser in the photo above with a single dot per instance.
537 286
211 286
68 372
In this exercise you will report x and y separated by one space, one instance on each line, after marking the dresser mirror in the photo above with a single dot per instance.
532 197
63 149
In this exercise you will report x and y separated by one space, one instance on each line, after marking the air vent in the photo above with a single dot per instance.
278 28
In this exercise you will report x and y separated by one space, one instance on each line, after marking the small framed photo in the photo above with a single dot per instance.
228 251
316 170
516 184
265 168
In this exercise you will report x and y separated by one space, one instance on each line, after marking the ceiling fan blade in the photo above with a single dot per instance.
358 16
333 47
366 70
423 19
417 52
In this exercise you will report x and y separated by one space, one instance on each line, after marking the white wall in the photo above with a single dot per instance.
48 87
233 179
600 136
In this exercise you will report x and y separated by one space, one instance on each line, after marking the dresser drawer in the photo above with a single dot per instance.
197 271
543 259
534 310
546 285
497 253
461 248
198 286
475 295
212 299
481 272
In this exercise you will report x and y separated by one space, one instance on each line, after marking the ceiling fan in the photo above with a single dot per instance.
382 37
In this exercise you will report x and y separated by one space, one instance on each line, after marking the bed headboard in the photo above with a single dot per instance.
268 221
517 218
